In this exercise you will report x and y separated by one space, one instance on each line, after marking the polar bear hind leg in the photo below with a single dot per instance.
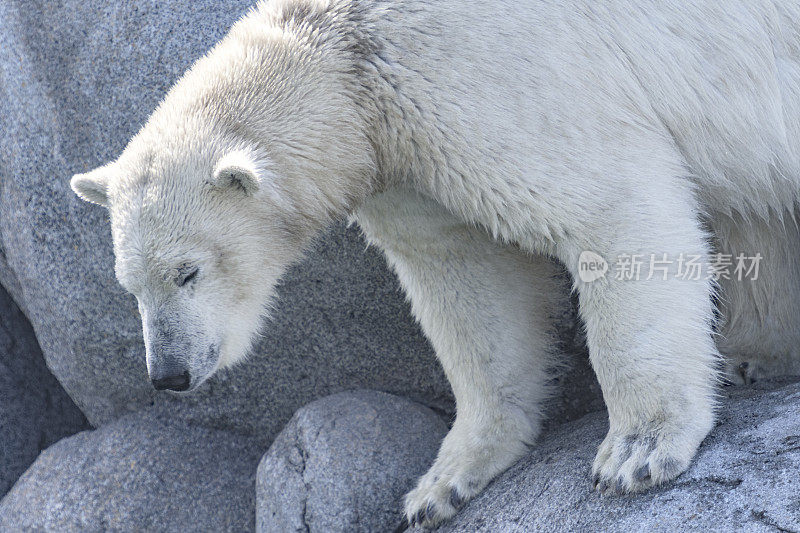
759 302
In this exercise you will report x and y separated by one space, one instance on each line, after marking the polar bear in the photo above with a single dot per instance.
477 144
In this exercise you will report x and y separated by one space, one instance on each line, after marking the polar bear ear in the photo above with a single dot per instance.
237 170
92 186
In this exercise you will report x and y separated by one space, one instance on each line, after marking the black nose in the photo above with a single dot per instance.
179 382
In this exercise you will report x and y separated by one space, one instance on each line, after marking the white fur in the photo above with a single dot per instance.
487 310
470 140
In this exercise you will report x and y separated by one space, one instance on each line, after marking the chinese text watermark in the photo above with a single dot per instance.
634 267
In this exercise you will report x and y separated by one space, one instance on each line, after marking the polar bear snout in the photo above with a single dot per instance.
180 370
168 367
180 356
174 382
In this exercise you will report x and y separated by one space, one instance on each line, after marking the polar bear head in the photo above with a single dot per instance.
201 242
250 155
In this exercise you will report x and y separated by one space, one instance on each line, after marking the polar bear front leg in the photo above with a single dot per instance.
486 309
650 341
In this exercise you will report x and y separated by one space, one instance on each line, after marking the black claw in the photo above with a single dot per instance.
419 517
430 510
595 480
603 486
643 473
404 525
619 486
456 500
742 369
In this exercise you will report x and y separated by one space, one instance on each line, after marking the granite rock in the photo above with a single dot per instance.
343 464
34 410
143 472
77 79
744 478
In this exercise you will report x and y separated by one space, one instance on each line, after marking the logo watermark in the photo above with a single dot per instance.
635 267
591 266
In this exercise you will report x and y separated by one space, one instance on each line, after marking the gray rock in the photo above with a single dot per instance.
34 410
144 472
745 478
78 79
343 463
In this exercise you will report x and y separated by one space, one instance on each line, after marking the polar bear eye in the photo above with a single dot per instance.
187 275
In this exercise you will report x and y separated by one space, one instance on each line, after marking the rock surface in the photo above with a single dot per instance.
745 478
34 410
77 79
343 464
144 472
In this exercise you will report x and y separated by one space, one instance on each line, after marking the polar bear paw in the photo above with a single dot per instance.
435 500
742 372
464 467
629 462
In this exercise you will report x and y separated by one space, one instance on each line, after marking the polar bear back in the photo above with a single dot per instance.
538 81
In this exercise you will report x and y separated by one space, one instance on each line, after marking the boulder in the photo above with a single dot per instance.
77 79
146 471
744 478
343 464
34 410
